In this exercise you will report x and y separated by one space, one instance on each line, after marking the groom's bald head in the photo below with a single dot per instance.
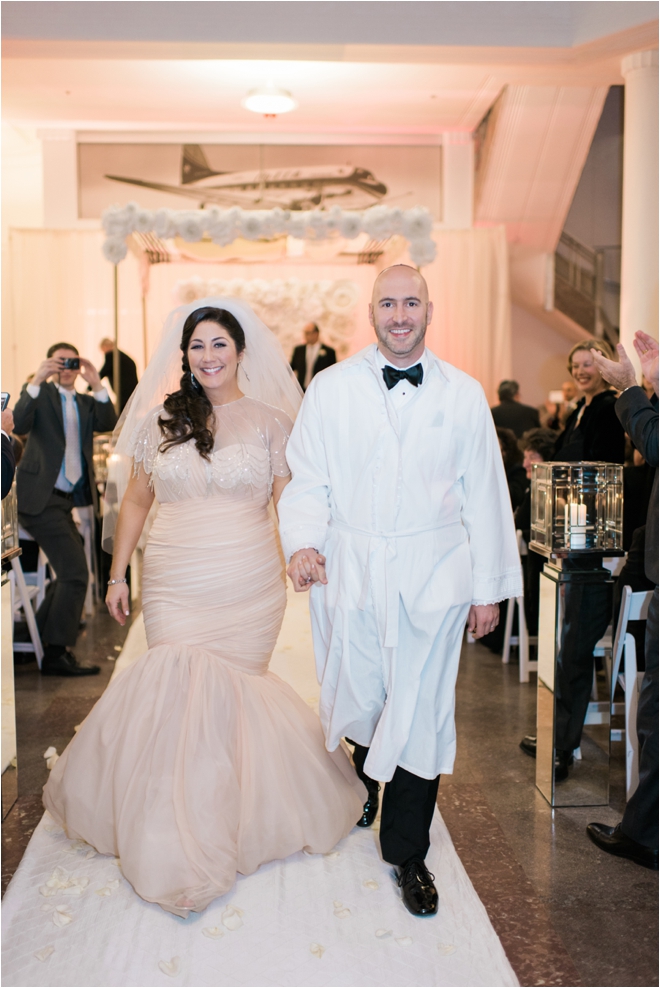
401 277
399 313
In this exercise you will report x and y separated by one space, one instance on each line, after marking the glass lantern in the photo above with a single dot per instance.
577 508
10 546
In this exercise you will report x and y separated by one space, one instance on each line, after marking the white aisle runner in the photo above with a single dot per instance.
69 918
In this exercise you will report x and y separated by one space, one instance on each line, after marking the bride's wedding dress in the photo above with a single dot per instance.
197 762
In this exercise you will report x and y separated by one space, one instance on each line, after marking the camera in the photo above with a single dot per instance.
70 363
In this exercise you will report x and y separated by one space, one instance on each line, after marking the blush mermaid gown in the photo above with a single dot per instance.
197 762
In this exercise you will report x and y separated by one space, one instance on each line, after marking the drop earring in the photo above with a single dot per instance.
192 380
244 371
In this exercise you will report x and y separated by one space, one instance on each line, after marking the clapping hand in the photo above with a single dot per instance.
621 374
306 567
647 351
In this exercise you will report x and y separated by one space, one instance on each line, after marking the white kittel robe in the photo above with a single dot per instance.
412 511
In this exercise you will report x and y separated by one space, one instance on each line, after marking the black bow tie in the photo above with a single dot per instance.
392 375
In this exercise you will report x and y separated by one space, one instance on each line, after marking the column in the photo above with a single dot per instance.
639 233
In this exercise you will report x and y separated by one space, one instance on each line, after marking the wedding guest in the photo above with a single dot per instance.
398 482
636 837
128 378
511 413
557 414
593 432
312 356
512 458
56 472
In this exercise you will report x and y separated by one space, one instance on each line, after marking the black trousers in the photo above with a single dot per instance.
587 612
406 812
54 529
640 820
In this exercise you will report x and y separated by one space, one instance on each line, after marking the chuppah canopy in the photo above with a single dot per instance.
61 288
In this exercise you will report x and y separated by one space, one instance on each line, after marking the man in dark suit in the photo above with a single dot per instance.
56 472
636 837
128 378
312 356
511 413
8 455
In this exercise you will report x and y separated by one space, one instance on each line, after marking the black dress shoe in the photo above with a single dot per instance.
528 745
370 808
614 841
59 661
419 894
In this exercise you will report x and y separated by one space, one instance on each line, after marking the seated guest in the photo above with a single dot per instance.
55 473
593 432
636 837
8 455
312 356
128 378
511 413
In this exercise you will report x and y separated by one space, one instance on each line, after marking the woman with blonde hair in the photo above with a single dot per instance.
592 431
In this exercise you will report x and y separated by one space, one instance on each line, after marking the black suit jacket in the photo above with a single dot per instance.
602 435
519 418
41 418
326 358
8 465
128 378
639 418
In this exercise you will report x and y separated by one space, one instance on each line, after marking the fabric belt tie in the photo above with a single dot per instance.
383 545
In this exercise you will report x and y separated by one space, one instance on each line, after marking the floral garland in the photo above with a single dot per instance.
286 305
223 226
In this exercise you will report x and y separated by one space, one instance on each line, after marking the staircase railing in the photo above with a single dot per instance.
587 286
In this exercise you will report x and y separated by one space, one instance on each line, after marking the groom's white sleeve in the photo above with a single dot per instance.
304 507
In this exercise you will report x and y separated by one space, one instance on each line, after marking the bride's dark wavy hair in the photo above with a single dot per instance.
190 411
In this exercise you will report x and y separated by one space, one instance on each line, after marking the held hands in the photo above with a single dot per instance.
482 619
117 603
306 567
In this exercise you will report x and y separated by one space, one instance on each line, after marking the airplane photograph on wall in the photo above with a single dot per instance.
293 177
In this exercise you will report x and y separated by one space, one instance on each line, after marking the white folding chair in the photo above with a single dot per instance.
634 607
522 639
22 597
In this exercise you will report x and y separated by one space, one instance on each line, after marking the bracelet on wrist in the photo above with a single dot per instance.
111 583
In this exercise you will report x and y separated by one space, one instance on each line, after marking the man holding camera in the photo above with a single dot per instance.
55 474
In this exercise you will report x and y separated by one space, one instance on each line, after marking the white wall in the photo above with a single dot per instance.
539 356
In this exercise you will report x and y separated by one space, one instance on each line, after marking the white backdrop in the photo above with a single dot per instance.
60 289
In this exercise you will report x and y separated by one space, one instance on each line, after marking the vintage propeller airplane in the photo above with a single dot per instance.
289 188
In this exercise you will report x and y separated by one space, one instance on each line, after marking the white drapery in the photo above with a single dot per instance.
61 289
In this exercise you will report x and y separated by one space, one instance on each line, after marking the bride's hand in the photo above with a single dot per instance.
117 602
306 567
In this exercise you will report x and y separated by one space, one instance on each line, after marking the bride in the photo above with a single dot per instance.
197 762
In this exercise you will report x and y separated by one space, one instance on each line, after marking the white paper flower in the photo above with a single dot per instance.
212 932
343 297
115 249
51 756
371 885
381 222
351 225
422 252
109 888
231 918
190 226
44 953
317 950
417 223
117 222
144 221
250 225
171 967
164 224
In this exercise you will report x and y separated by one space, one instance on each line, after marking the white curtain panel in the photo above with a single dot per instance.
59 287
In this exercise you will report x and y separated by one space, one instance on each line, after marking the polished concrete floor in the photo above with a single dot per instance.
566 913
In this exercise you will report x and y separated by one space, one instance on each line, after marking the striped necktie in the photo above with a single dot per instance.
72 459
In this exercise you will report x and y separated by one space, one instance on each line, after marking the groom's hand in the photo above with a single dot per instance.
482 619
306 567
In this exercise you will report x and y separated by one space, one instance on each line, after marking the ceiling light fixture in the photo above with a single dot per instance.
270 101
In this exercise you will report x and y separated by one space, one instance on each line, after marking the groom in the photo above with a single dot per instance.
398 516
